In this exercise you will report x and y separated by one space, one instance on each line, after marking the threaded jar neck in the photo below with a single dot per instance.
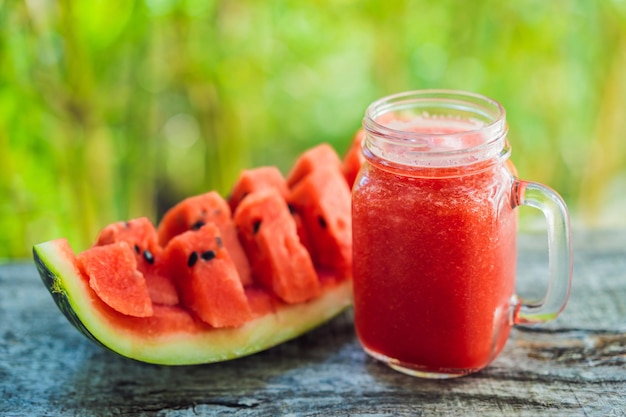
435 129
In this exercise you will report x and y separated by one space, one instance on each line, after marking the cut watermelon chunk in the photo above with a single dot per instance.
206 277
141 235
323 200
112 273
354 158
193 213
320 156
251 180
280 262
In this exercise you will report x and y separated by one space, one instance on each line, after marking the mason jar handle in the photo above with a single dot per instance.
560 256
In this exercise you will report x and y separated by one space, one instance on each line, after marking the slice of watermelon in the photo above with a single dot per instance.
320 156
112 274
141 235
193 213
206 277
279 261
261 178
301 254
323 200
172 335
251 180
353 159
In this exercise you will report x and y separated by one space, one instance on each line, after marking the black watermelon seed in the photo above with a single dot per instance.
126 225
291 208
137 249
193 258
322 222
208 255
147 255
197 225
218 241
255 226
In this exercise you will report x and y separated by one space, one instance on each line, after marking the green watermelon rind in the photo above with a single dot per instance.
73 296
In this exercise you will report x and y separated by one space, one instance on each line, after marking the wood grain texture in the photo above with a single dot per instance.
574 366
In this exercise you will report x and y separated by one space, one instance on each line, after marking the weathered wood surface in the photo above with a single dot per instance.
575 366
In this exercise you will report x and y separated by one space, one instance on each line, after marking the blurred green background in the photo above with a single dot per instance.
113 109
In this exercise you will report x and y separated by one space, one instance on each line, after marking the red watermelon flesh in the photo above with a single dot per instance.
354 158
113 275
279 260
256 179
193 213
323 199
322 155
206 277
141 235
300 228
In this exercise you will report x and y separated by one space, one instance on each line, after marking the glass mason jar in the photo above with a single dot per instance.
434 235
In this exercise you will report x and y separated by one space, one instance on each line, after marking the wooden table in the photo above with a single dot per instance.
575 366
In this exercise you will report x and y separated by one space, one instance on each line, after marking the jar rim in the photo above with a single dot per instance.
484 121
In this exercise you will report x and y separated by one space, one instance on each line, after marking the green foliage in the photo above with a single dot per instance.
115 109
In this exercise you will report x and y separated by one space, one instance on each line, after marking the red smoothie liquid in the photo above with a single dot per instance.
434 264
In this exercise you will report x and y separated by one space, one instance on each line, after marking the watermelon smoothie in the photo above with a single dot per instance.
434 237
